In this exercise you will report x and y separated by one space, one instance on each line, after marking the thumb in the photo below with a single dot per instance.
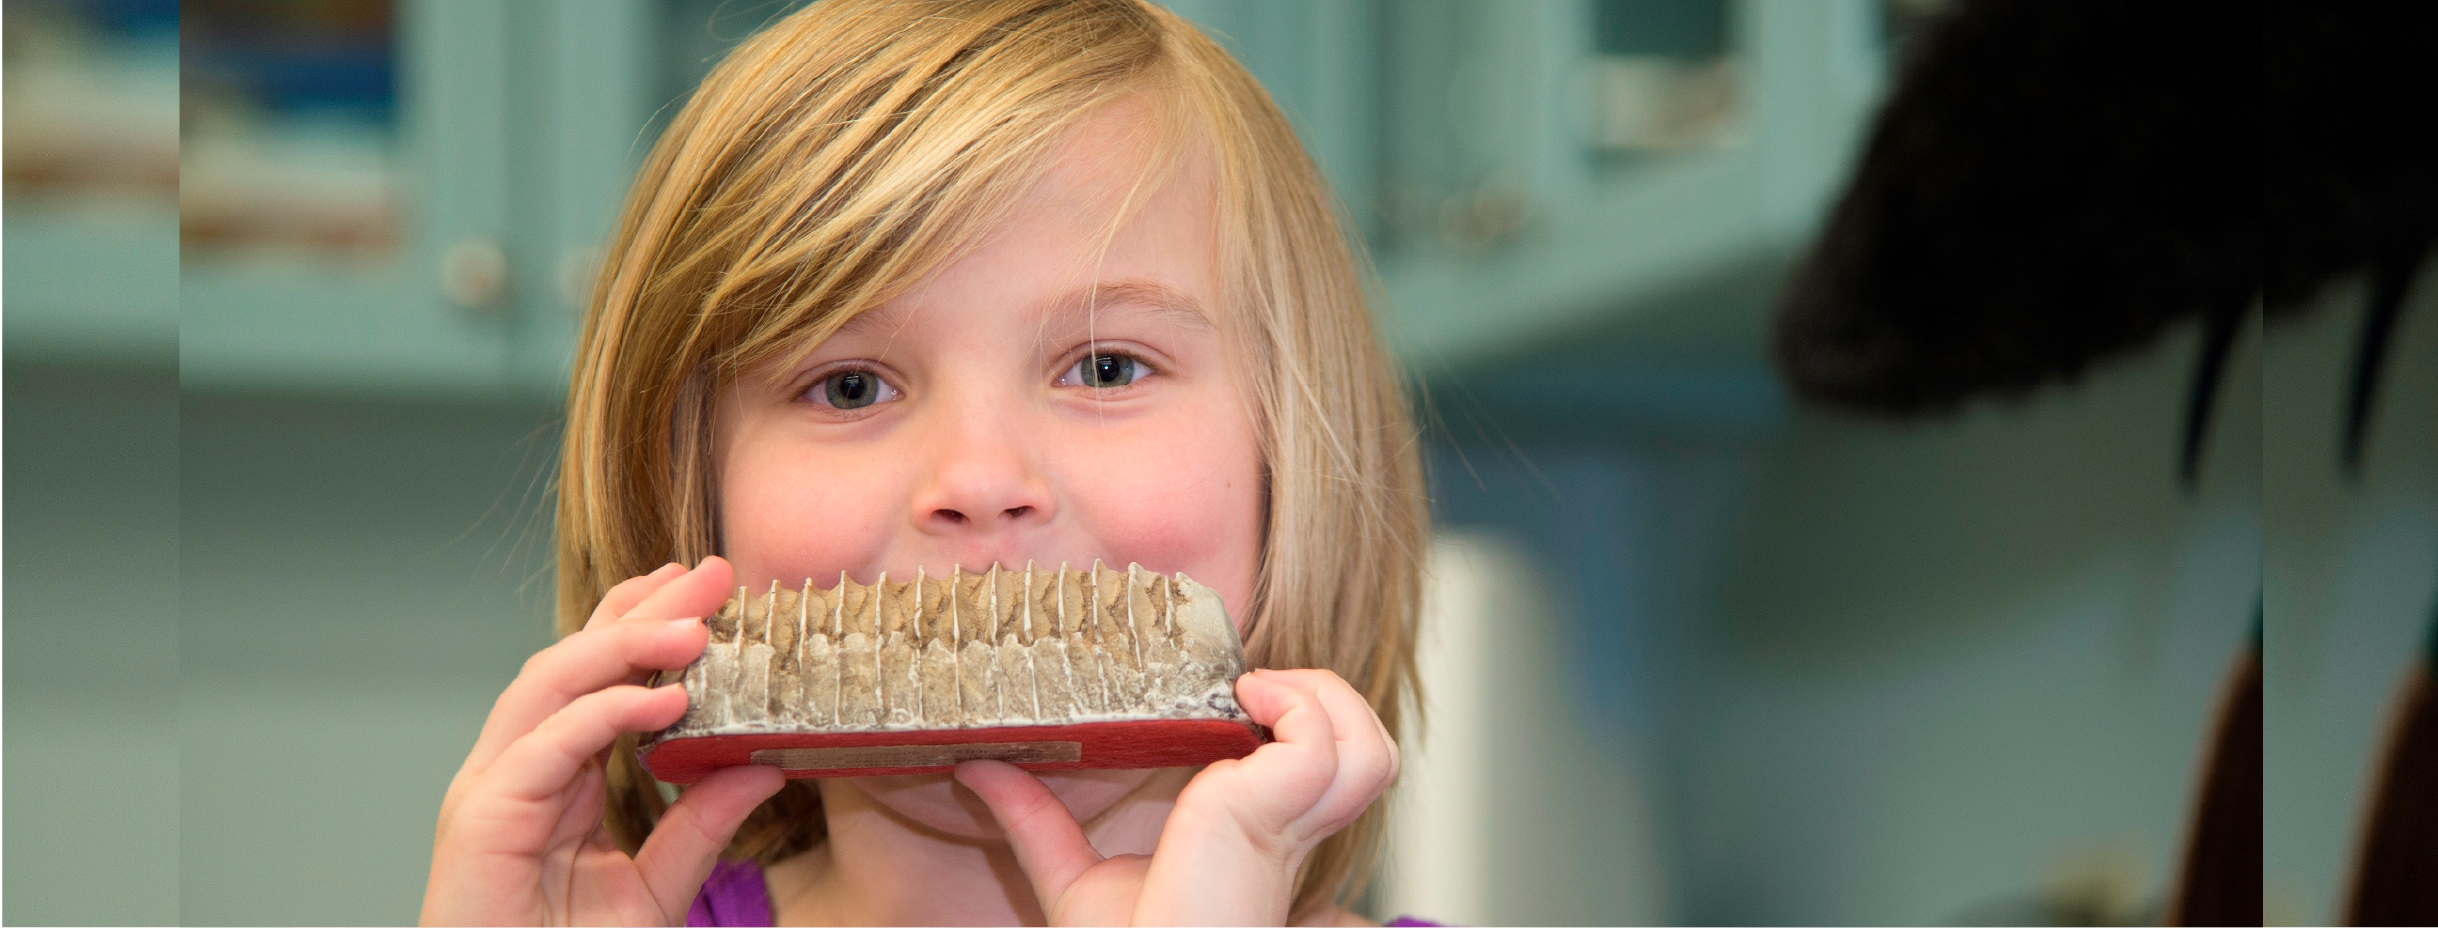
685 844
1049 845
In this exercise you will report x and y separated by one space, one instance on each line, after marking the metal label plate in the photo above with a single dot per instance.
920 755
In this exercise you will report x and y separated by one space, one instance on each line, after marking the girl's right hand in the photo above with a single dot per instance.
521 839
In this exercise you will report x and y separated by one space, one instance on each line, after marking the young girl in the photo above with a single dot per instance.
924 285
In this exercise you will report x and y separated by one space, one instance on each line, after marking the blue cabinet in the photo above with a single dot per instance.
92 135
515 133
1565 200
1505 167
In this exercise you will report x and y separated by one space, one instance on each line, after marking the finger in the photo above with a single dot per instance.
1049 845
582 663
697 592
613 653
632 590
1281 780
545 762
1241 829
1288 702
1367 758
1350 717
686 843
1111 894
582 816
1273 698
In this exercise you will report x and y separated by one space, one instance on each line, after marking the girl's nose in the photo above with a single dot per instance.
982 485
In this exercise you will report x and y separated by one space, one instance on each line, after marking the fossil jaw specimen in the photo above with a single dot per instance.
1047 669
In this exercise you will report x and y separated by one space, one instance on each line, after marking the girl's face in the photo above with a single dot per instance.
1041 399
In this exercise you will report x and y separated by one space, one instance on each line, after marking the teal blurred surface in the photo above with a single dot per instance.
92 644
1860 672
359 580
2349 584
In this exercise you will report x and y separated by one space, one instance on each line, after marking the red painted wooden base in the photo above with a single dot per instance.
1123 745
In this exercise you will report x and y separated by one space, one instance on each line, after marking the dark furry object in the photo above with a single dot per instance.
2351 181
2396 877
2051 183
2221 883
2351 174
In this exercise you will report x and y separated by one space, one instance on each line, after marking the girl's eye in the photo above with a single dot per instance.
1103 371
852 389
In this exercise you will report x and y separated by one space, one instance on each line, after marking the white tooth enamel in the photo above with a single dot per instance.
818 658
956 644
996 649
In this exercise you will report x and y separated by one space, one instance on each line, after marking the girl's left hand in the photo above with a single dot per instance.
1239 832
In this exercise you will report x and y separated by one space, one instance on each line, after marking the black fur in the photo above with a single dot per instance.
2350 161
2051 183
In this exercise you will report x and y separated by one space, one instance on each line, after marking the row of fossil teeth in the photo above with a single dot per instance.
997 648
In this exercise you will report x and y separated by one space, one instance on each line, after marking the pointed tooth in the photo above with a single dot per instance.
936 668
1163 685
821 657
1113 643
786 682
900 698
858 656
1075 610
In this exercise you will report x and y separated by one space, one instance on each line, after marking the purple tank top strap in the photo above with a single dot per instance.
734 895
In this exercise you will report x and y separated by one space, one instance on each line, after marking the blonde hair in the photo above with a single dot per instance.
856 145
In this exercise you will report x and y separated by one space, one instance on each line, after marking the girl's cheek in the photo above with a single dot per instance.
1187 499
801 516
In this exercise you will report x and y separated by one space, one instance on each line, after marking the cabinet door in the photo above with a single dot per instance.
92 129
1559 169
588 73
425 308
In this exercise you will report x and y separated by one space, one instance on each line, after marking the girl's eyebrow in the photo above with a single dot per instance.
1076 308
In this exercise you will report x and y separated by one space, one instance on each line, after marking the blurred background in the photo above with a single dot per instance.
291 297
89 327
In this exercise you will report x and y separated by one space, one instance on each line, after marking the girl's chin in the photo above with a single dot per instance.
937 802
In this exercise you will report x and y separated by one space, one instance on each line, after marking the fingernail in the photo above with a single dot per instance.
685 622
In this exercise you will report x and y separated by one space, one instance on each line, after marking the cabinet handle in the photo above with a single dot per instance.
474 275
